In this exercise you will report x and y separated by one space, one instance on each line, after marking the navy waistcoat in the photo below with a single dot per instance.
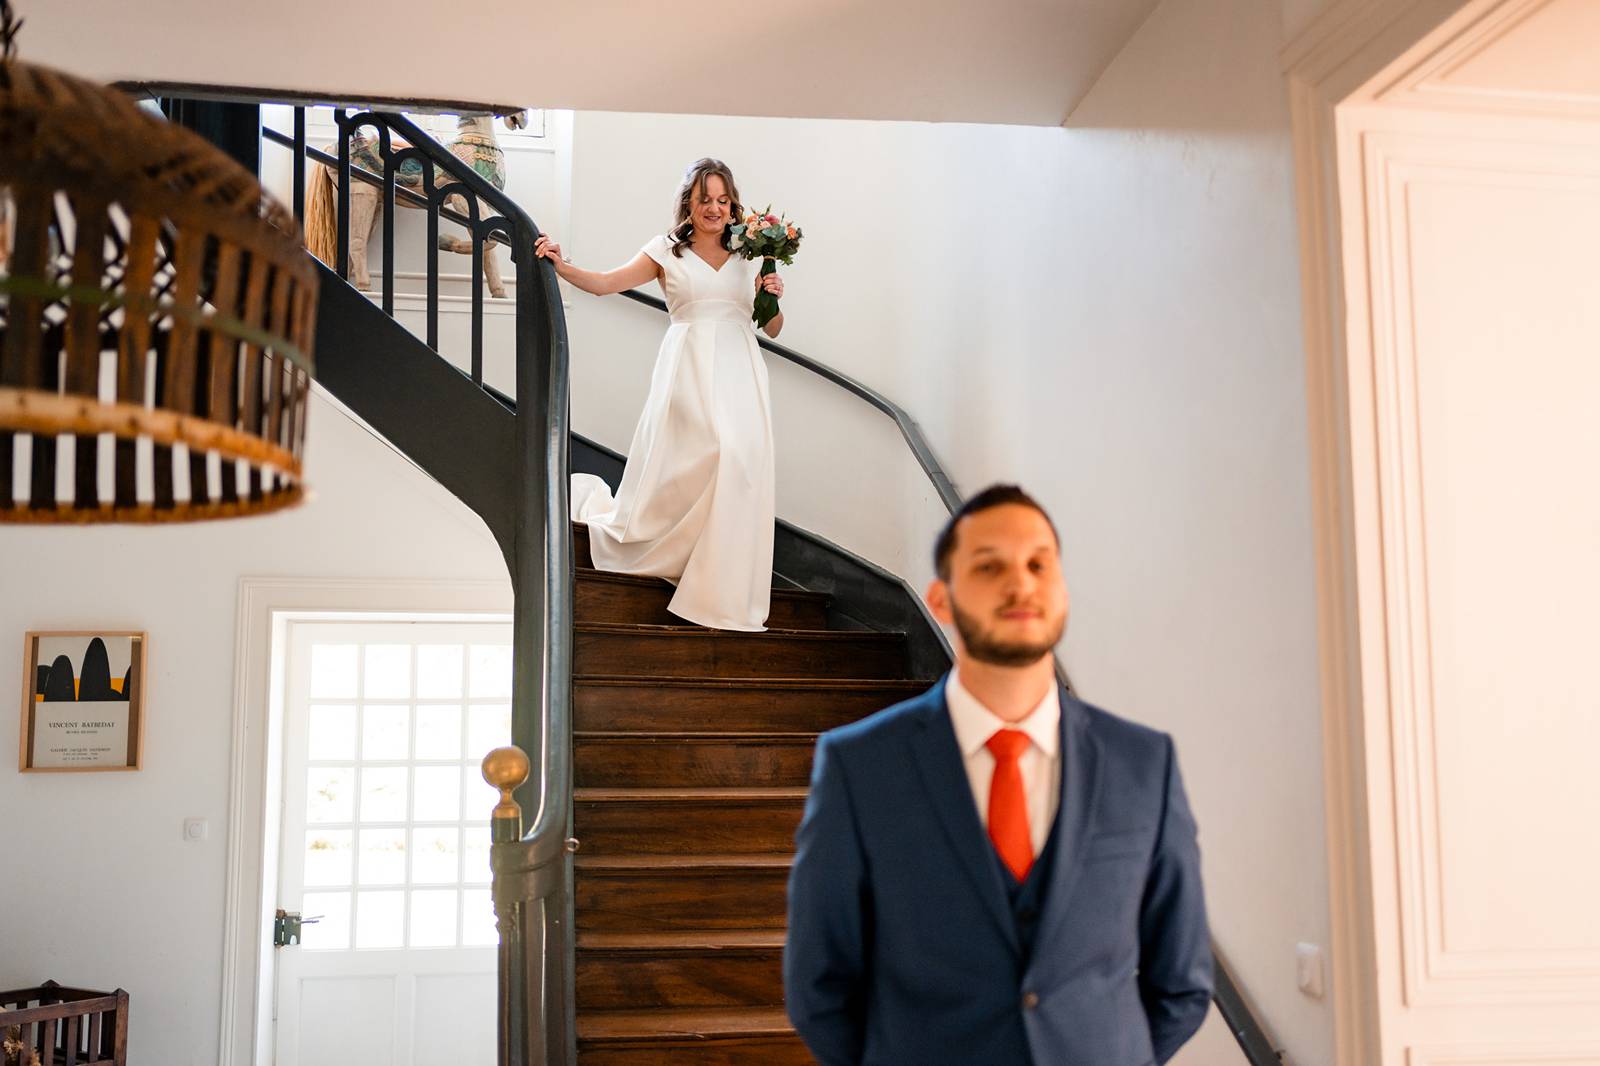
1027 896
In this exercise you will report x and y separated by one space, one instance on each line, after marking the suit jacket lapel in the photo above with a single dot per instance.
1080 794
944 777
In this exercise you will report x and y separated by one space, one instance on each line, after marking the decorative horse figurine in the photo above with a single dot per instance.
474 144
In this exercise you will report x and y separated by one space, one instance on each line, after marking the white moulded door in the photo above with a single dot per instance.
385 841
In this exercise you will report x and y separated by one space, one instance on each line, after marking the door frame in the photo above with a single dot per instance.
266 606
1351 75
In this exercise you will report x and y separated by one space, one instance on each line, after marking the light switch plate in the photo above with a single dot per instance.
195 829
1308 969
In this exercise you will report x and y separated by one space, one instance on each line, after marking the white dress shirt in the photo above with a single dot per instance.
1040 763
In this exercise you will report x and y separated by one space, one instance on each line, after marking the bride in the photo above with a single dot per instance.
696 501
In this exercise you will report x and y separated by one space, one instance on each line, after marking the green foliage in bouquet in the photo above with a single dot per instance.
772 239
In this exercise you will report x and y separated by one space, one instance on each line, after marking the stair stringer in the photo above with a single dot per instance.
459 434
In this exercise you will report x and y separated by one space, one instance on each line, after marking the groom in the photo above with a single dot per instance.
995 873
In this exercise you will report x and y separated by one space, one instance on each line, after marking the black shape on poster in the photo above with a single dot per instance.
94 682
61 683
59 687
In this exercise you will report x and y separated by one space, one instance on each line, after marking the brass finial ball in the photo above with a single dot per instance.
506 768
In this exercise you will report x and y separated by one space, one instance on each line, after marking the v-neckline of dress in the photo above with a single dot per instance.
707 262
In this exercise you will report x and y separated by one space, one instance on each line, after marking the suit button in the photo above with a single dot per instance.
1030 1000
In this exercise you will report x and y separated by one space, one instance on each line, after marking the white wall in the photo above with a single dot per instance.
1108 314
99 887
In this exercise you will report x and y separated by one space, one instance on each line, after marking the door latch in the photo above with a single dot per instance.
286 927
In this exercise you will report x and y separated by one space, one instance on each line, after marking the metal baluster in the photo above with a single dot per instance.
300 165
434 206
480 248
343 246
390 173
475 239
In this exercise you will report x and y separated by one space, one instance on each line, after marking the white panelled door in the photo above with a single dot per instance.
385 840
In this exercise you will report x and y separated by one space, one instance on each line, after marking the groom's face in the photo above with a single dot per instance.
1005 594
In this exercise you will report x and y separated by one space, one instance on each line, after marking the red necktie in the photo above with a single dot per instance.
1008 803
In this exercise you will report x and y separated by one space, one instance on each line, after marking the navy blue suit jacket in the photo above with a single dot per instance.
902 948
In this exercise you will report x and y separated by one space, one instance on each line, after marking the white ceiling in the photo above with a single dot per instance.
997 61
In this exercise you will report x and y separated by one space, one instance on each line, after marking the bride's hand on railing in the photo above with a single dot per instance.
546 248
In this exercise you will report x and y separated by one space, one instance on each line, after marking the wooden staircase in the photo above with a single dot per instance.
692 754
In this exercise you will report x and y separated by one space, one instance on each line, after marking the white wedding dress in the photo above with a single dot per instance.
695 505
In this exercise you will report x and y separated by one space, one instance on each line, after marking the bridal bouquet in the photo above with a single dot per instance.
770 238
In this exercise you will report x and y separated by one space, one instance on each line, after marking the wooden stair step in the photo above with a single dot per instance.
723 861
645 1024
631 703
693 652
601 596
693 940
675 795
726 1037
692 968
658 821
667 760
645 893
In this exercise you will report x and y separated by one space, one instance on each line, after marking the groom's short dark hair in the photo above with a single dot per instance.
993 496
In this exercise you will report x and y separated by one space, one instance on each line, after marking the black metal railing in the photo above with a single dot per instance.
1241 1020
367 177
533 872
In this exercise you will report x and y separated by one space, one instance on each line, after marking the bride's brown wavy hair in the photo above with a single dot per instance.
694 184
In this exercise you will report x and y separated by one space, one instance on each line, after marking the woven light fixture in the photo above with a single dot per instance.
156 315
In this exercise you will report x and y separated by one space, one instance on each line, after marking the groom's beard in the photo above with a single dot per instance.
983 646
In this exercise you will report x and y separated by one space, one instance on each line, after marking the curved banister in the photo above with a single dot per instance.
533 871
1240 1019
544 397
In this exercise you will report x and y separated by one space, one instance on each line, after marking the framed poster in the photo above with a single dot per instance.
83 701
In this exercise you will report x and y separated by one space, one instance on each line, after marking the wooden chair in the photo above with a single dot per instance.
56 1026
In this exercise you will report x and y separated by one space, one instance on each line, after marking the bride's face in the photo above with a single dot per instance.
712 209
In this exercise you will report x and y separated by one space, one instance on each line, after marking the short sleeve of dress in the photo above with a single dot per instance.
659 249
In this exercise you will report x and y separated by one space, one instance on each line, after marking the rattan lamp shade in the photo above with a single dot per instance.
156 317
